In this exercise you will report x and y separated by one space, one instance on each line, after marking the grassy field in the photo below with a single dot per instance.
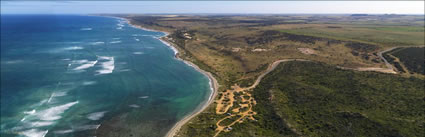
236 49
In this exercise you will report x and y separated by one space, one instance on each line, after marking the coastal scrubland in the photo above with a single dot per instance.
409 60
315 99
236 49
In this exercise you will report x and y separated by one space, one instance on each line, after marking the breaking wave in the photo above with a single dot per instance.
73 48
86 29
143 97
34 133
134 106
43 118
107 65
113 42
96 115
97 43
54 113
85 64
86 83
138 53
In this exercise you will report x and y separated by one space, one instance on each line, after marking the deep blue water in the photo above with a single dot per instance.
70 75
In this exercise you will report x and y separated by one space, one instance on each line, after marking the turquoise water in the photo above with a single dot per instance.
69 75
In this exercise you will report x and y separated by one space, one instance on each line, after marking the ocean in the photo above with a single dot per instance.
75 75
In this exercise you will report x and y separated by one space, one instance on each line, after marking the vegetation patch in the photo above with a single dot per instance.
322 100
407 60
361 47
413 58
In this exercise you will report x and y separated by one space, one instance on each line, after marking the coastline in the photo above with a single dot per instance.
212 81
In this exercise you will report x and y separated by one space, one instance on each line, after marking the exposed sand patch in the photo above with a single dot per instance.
187 35
383 70
236 49
244 110
306 51
260 50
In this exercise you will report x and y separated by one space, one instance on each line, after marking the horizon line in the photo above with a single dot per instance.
211 13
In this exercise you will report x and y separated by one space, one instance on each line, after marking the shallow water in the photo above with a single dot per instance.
69 75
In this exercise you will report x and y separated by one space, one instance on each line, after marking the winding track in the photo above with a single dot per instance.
276 63
269 69
389 66
257 81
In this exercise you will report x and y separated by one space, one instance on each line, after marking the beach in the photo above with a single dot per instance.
212 81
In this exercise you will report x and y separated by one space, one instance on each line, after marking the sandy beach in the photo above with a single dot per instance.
212 81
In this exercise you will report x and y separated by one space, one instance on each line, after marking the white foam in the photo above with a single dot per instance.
97 43
86 83
86 65
56 94
53 113
211 88
59 94
136 39
73 48
120 24
143 97
86 127
34 133
113 42
30 112
168 44
86 29
107 66
80 61
13 61
138 53
96 115
64 131
41 123
39 103
134 106
50 99
62 92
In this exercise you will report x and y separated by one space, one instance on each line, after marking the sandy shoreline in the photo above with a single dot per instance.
212 81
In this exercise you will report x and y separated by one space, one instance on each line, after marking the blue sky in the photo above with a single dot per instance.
284 7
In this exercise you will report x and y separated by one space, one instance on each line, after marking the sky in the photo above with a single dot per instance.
275 7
